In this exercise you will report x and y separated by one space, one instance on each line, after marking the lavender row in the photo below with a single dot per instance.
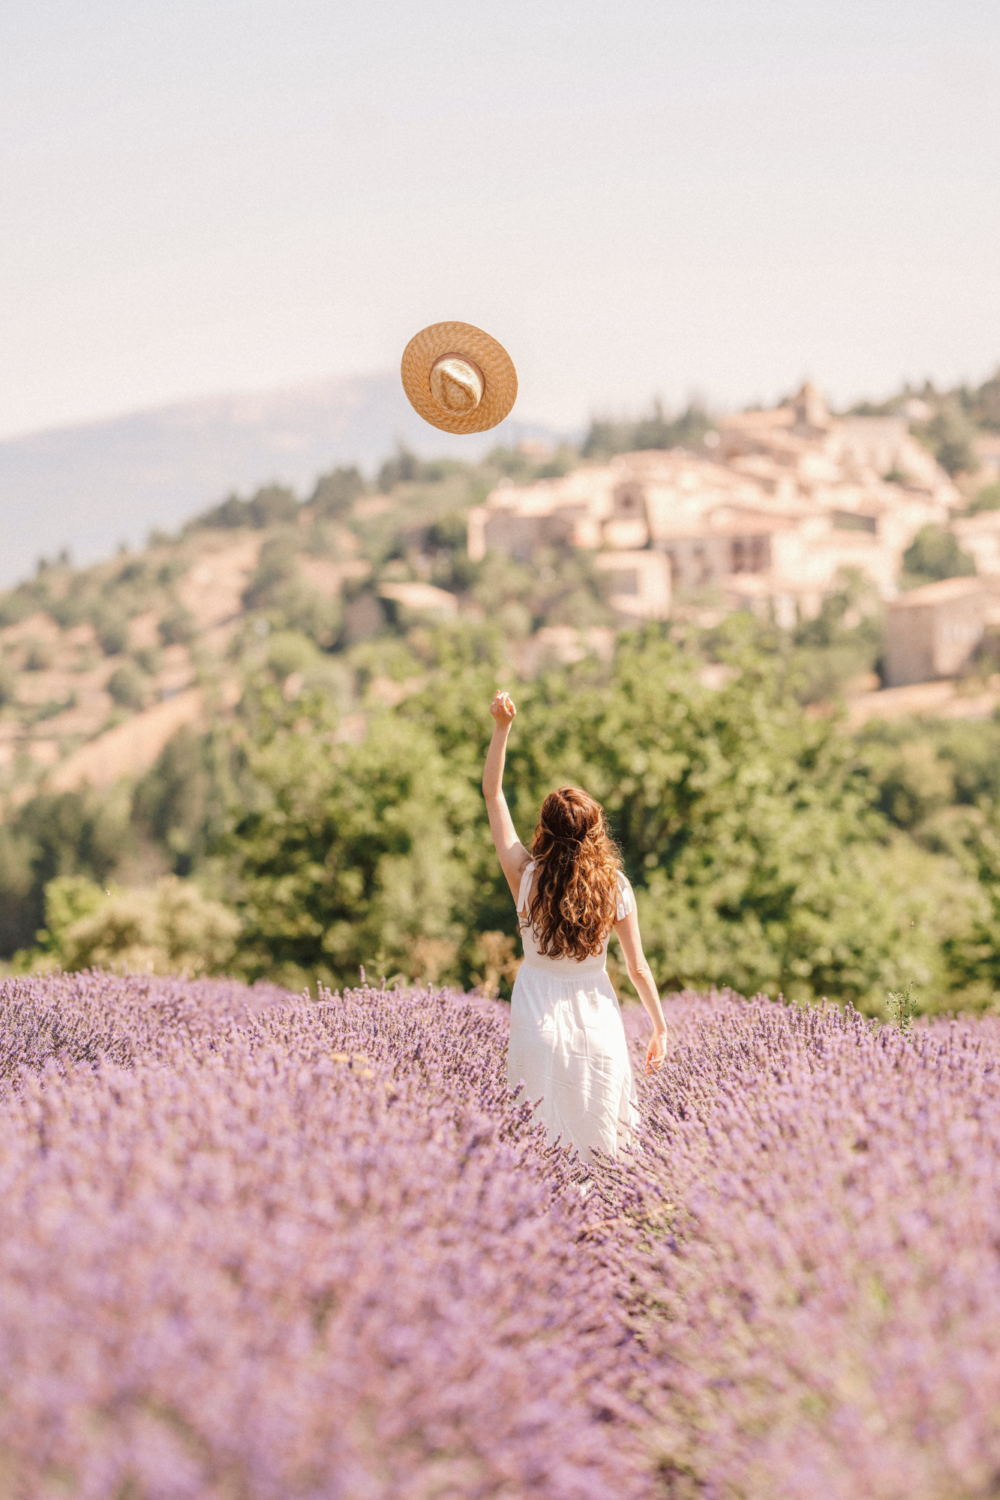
315 1254
252 1246
810 1249
91 1017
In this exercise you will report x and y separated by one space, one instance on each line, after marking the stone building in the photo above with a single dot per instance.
933 631
638 584
768 514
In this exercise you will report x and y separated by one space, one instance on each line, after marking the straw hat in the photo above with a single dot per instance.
458 378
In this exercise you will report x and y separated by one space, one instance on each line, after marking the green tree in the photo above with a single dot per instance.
951 437
167 929
403 468
606 436
112 631
69 833
751 836
336 492
177 625
983 403
8 685
273 505
179 804
277 588
128 686
350 857
933 554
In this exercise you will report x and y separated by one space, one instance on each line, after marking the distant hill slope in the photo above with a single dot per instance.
100 665
88 488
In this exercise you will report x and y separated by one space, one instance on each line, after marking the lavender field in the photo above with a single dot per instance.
253 1247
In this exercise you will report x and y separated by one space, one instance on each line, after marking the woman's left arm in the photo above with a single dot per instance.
511 852
641 975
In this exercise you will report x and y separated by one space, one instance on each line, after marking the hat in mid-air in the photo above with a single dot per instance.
458 378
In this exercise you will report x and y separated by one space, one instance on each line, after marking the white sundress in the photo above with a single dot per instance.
567 1041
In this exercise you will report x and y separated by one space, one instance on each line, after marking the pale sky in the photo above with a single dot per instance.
636 196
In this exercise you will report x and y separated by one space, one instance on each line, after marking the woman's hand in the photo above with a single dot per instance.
503 710
656 1052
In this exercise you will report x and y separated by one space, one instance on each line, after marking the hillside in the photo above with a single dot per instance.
255 746
86 488
99 666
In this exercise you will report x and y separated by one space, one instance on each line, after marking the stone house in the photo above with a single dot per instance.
638 584
933 631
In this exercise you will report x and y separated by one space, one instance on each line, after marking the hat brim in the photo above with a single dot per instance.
468 342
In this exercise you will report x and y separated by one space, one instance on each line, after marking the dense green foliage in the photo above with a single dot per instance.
270 506
934 554
951 436
658 430
769 849
753 834
168 928
988 498
75 833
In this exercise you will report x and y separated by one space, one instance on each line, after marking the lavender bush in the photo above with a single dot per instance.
93 1017
813 1256
252 1246
315 1254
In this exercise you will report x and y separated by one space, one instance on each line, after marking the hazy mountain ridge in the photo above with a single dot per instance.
89 487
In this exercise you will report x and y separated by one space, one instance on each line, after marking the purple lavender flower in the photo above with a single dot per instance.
257 1246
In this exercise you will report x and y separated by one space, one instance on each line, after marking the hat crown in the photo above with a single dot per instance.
456 384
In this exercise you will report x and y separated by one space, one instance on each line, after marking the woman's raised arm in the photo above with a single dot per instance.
511 852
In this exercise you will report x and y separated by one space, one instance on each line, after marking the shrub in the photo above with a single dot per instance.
38 655
112 633
50 835
177 626
128 686
8 685
951 437
336 492
17 605
934 553
277 566
289 651
159 931
987 498
149 660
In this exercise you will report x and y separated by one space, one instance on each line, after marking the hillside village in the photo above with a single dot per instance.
770 511
767 517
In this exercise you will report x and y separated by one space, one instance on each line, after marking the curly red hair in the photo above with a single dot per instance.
574 901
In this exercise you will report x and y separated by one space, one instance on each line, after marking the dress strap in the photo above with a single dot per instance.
525 888
626 900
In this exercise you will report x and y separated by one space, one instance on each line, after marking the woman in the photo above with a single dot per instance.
567 1041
